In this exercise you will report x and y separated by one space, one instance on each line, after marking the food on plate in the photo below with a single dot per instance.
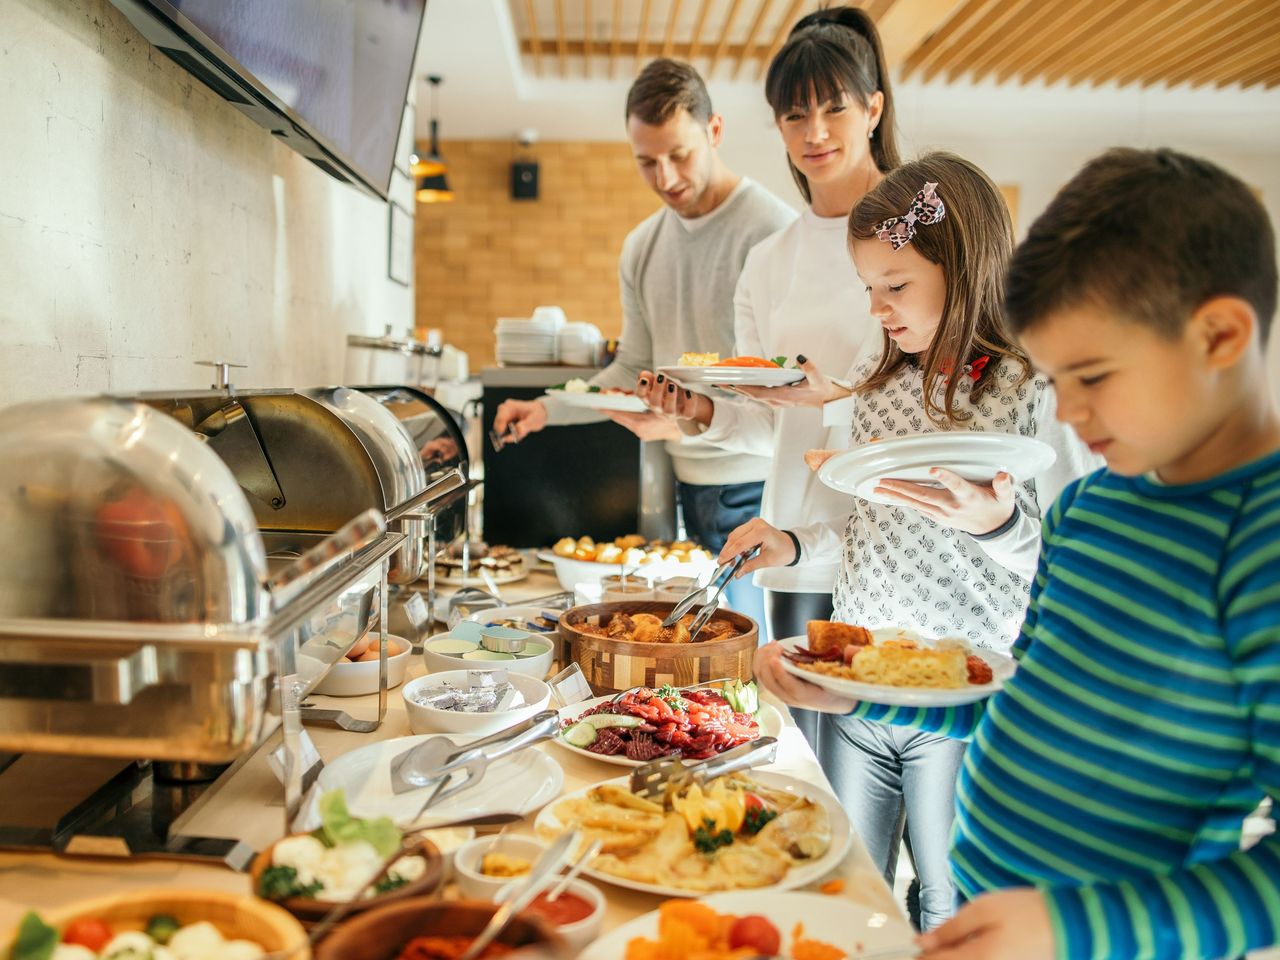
92 938
448 948
335 861
648 628
698 359
851 653
632 550
578 385
646 724
730 833
752 362
690 928
499 560
365 649
497 864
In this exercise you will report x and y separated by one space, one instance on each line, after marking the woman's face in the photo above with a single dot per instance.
828 141
908 292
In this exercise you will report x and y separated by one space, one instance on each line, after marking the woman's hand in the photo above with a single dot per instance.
791 690
665 396
970 507
776 548
1006 925
813 392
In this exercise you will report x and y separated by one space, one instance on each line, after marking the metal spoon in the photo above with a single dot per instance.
587 856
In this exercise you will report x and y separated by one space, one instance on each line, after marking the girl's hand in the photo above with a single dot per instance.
1006 925
814 459
776 548
970 507
814 392
665 396
793 691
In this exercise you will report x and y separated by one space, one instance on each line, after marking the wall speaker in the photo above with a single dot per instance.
524 180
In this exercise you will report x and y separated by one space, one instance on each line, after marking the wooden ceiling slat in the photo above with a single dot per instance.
1268 77
937 42
1029 22
616 39
561 54
788 21
907 22
536 48
725 31
697 28
1258 54
1219 55
955 59
1084 17
1106 48
1261 62
754 31
628 49
643 34
672 16
1174 40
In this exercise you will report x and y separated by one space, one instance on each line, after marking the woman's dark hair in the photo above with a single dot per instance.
828 54
972 244
665 86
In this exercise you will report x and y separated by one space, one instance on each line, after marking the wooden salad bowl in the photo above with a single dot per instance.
612 666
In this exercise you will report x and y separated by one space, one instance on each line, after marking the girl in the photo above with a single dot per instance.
931 244
832 101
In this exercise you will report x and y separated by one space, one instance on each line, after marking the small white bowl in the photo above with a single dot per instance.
528 663
581 933
360 679
424 719
466 863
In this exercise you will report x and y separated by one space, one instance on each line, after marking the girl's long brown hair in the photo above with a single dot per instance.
829 53
972 244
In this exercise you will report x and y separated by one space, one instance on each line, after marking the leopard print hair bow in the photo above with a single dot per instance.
927 207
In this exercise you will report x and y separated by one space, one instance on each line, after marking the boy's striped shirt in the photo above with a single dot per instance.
1115 768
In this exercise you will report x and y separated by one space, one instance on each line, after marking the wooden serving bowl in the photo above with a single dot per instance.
311 910
382 933
236 917
612 666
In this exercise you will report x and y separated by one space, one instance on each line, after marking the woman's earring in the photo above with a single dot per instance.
871 134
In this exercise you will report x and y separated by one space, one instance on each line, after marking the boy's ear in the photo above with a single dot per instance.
1226 328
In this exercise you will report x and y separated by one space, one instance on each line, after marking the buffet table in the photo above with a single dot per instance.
250 807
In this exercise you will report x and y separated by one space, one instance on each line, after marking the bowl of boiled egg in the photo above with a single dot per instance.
472 646
356 674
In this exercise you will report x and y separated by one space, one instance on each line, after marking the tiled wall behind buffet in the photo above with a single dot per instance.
485 255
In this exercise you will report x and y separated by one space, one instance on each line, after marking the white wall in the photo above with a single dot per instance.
145 223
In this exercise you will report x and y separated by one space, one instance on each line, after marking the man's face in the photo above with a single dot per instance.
677 160
1142 401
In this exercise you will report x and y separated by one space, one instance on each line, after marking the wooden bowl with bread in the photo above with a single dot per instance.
621 645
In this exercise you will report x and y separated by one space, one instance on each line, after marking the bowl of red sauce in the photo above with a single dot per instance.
577 914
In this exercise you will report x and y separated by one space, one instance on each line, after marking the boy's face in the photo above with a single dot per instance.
677 159
908 292
1142 401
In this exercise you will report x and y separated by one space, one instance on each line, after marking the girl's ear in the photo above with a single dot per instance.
1226 328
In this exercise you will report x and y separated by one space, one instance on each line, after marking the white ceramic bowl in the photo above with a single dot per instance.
466 863
438 661
424 719
359 679
579 934
574 573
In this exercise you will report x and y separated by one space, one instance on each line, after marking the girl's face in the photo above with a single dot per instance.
907 292
828 141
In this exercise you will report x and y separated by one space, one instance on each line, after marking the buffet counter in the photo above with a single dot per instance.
249 807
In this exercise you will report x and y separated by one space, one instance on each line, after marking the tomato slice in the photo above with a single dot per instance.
88 932
755 933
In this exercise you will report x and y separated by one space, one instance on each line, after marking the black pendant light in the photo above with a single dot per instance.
430 170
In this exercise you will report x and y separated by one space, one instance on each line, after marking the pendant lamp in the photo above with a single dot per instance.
430 170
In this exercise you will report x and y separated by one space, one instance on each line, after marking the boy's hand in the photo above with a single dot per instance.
969 507
793 691
1006 925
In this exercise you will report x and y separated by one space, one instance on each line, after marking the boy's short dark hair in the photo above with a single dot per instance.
665 86
1150 235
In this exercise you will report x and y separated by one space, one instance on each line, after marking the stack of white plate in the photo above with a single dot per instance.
579 344
526 341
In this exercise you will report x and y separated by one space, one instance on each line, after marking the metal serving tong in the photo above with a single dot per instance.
719 580
434 763
653 779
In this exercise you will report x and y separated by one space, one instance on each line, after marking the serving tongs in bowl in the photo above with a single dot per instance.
652 780
711 592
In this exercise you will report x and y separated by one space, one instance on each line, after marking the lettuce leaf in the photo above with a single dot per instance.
35 940
337 826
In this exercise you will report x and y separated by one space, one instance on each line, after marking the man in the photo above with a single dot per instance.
678 272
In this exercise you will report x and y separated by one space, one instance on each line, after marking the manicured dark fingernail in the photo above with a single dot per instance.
644 382
671 388
688 395
661 378
801 358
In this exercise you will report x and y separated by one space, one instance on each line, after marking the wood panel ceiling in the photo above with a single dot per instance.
1147 42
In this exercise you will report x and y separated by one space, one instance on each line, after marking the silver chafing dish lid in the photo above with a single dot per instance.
111 510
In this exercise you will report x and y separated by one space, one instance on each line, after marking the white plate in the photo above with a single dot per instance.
520 783
1002 668
624 402
974 455
572 573
494 614
733 376
499 577
838 921
768 719
797 876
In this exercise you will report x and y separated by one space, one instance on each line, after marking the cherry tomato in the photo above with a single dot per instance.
89 932
752 802
756 933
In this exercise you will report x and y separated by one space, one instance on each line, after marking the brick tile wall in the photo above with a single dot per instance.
485 256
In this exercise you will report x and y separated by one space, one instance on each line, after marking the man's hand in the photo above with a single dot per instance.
665 396
647 426
522 417
1006 925
776 548
970 507
791 690
814 391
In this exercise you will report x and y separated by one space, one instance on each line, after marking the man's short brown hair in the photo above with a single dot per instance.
665 86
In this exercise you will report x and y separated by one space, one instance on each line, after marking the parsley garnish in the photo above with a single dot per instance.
778 361
280 883
389 883
707 840
672 696
756 819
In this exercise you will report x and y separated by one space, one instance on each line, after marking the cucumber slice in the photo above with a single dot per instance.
598 720
579 734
